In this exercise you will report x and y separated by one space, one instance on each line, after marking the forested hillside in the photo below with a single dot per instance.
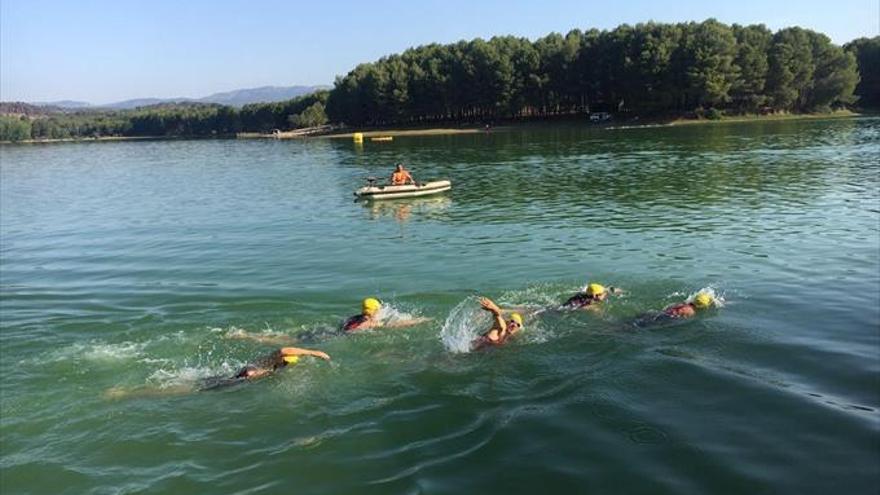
644 69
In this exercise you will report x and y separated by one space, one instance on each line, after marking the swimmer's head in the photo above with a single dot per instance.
517 318
398 167
371 306
596 290
703 301
290 359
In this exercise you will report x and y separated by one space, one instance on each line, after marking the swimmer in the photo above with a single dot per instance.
501 329
590 297
260 368
270 363
688 309
401 176
369 318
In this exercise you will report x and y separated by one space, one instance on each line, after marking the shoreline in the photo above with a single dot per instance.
473 129
837 114
612 125
96 139
427 131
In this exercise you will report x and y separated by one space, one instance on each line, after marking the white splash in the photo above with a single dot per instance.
390 314
462 326
717 297
188 375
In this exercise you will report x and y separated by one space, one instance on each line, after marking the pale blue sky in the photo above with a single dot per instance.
103 51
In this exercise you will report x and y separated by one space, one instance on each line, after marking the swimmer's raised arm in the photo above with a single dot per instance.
493 308
296 351
489 305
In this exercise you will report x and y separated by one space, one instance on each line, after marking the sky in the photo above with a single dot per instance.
104 51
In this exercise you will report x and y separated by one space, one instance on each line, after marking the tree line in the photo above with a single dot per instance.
165 120
867 53
647 69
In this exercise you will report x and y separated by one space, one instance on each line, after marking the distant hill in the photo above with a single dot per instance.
62 104
265 94
176 105
142 102
21 108
236 98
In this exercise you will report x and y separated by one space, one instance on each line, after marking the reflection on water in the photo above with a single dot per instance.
402 209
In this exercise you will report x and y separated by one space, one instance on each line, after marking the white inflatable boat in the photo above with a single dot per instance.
372 191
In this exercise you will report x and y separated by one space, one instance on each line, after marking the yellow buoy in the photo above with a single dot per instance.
358 137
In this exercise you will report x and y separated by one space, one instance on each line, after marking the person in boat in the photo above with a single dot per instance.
590 297
501 329
370 317
401 176
683 310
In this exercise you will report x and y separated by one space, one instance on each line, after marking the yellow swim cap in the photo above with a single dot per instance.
371 306
517 318
290 359
595 290
703 300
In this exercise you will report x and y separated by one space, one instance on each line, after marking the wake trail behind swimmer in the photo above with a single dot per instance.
262 367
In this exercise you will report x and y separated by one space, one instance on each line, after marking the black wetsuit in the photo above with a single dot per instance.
354 323
483 342
270 362
578 301
660 318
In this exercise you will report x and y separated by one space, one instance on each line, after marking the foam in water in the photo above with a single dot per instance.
101 351
267 335
390 314
98 351
188 375
151 360
537 296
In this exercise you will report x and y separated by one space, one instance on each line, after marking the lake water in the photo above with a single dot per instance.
129 269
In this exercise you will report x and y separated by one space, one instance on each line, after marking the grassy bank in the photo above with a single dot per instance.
619 123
